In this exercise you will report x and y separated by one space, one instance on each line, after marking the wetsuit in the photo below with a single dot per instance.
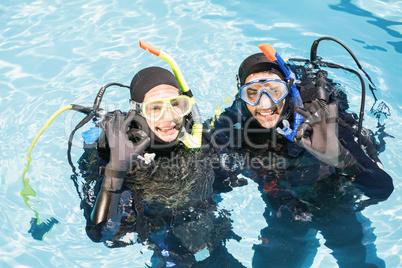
166 203
303 195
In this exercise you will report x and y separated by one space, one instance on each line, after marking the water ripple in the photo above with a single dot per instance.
54 53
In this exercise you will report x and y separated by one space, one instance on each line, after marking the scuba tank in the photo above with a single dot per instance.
313 84
309 82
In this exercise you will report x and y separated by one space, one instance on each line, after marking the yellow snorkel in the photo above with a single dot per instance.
195 139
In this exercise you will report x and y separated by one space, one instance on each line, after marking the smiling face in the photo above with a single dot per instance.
167 127
267 117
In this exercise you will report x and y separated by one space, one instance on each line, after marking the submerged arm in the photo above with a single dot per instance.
372 179
104 220
222 136
332 143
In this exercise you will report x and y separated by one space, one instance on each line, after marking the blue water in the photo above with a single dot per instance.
54 53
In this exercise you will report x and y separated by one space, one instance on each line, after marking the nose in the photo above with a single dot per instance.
265 101
168 114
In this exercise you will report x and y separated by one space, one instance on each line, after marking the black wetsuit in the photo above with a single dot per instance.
166 203
303 195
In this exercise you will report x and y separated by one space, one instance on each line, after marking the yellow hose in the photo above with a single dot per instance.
27 190
191 141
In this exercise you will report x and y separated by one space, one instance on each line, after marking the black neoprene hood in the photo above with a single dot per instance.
258 63
148 78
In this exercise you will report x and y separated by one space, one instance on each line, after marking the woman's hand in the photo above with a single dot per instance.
122 150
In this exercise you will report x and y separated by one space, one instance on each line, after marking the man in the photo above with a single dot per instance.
312 183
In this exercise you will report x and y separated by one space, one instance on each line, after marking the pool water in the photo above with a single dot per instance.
55 53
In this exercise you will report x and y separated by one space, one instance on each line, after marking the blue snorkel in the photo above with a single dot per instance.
295 98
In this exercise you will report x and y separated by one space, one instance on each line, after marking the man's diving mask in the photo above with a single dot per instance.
178 106
275 89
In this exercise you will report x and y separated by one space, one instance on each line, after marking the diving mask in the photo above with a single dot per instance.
275 89
178 106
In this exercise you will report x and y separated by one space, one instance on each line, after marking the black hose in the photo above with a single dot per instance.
306 61
90 115
313 51
91 112
99 96
82 109
363 98
85 120
313 59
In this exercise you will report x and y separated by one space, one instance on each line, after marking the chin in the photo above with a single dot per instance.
168 137
268 123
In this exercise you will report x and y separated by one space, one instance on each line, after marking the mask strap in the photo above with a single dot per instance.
238 82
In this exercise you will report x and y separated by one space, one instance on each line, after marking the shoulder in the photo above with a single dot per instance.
231 118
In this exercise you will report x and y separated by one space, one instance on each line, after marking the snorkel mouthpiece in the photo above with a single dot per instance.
290 77
195 139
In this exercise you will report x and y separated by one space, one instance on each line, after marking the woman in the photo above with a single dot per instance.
153 185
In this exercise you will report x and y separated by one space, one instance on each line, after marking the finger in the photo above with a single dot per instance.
317 105
115 121
130 112
129 118
333 110
304 142
303 112
303 134
143 144
318 108
304 130
116 115
139 134
110 120
285 123
107 123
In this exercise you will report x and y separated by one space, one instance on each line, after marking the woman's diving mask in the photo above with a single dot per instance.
178 106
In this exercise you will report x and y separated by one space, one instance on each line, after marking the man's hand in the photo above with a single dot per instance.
317 134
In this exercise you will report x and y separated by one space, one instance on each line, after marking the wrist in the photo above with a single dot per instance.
343 158
118 165
350 170
112 185
113 180
347 165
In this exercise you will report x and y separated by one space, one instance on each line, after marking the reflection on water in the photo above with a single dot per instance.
54 53
294 244
387 25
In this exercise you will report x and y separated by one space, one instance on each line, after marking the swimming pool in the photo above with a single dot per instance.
54 53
